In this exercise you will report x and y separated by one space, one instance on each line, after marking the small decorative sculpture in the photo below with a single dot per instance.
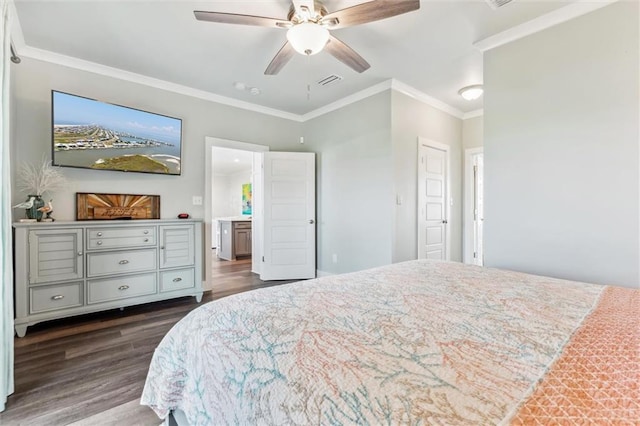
47 209
25 205
36 179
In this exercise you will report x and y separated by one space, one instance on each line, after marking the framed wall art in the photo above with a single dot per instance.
96 206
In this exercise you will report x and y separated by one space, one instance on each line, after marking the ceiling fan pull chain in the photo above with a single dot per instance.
308 77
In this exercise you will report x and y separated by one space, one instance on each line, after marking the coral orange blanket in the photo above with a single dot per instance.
596 380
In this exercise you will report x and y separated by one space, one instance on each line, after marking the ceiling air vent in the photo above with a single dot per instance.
333 78
497 3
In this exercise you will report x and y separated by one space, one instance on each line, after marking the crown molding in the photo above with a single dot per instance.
80 64
347 100
68 61
558 16
473 114
412 92
105 70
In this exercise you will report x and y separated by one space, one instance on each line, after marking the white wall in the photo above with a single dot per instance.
32 82
354 183
411 119
236 181
472 132
561 117
221 199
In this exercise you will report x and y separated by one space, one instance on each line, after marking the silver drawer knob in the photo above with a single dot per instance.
177 280
123 262
99 243
123 287
57 297
99 234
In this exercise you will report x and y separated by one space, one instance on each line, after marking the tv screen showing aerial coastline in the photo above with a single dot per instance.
98 135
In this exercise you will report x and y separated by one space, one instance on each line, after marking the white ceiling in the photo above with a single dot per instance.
228 161
430 49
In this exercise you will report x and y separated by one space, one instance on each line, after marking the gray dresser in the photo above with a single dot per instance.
70 268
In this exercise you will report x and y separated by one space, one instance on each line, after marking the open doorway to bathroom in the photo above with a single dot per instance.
223 199
231 202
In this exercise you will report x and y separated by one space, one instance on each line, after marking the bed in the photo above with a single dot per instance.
419 342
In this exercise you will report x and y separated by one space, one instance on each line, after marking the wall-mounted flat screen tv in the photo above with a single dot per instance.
97 135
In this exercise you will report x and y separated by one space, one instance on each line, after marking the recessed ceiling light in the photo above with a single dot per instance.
471 92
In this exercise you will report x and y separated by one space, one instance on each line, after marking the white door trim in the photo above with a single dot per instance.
467 206
209 143
448 201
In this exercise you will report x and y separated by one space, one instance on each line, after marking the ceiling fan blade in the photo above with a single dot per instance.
283 56
346 55
369 12
233 18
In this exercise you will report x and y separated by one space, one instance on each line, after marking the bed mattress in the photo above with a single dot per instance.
420 342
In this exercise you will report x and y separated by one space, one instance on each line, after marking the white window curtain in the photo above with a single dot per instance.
6 285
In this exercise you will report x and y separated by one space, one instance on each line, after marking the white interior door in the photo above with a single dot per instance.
289 213
433 189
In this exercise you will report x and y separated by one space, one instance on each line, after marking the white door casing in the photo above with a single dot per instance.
473 206
289 238
257 214
433 200
478 223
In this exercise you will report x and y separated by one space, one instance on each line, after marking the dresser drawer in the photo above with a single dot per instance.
135 236
120 262
54 297
106 290
176 280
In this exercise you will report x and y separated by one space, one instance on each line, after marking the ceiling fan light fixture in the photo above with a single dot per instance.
472 92
308 38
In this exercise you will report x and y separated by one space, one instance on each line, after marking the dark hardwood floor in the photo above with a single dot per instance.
90 370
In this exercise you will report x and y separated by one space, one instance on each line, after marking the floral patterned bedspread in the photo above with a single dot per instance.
420 342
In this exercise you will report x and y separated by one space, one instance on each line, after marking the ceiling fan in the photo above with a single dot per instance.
308 24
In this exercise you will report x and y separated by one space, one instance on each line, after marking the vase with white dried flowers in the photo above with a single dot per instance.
35 180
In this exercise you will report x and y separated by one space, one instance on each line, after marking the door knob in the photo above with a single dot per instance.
311 221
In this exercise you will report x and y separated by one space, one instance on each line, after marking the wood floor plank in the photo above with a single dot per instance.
91 369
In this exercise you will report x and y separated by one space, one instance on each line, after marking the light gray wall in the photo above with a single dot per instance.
32 83
361 165
561 120
472 132
354 181
412 119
